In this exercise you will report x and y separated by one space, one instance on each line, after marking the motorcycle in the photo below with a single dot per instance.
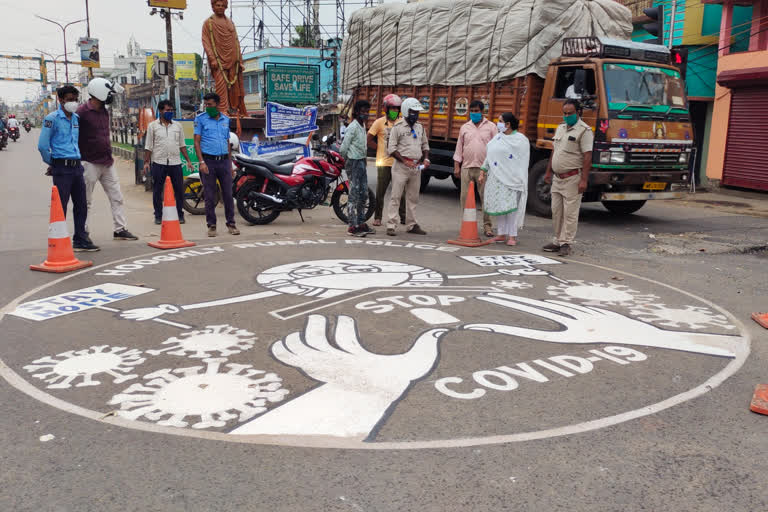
3 138
14 133
27 126
266 189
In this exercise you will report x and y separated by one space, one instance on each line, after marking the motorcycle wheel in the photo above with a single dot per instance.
194 202
256 210
339 201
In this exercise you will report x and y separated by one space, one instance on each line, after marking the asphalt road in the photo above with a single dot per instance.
630 392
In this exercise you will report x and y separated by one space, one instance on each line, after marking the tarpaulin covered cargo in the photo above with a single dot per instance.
464 42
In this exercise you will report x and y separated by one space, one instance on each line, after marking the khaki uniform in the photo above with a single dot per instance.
404 179
570 144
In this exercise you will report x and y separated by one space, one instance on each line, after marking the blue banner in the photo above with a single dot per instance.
282 120
268 148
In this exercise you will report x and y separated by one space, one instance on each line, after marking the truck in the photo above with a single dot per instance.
632 97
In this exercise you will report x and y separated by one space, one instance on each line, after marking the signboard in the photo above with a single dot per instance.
169 4
269 150
282 120
185 65
188 127
89 52
295 84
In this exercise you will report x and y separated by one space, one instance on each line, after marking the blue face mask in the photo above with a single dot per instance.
475 117
168 116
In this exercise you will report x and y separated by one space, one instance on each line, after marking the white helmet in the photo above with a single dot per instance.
104 90
410 104
234 142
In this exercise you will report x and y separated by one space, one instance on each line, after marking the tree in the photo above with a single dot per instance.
304 38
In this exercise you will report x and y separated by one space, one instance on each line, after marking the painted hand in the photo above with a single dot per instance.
142 314
358 387
582 324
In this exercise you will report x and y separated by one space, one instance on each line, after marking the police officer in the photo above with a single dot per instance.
213 152
59 149
570 162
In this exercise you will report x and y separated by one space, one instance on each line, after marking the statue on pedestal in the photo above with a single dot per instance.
222 47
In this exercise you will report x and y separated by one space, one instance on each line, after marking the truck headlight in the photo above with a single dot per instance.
605 157
683 158
617 157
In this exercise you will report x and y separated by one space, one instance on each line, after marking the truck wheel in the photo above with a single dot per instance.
456 182
424 182
623 207
539 196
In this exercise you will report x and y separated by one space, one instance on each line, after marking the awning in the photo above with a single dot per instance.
743 77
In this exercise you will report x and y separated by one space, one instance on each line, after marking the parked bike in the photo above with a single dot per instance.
265 190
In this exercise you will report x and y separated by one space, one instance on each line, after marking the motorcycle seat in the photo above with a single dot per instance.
285 169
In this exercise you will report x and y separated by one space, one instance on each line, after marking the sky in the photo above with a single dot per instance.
112 22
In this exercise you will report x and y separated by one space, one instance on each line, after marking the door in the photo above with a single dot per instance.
745 162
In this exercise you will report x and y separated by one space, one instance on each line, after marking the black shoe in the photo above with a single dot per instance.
86 246
124 234
551 248
158 221
416 230
182 221
402 221
565 250
368 230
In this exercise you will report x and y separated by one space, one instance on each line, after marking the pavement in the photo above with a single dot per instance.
294 368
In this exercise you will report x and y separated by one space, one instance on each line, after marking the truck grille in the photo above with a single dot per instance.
654 158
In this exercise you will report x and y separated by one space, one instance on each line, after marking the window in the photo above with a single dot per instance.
123 80
133 80
565 77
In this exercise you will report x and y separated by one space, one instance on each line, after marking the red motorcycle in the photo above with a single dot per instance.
14 133
264 190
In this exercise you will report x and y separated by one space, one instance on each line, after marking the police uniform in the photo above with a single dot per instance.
569 145
214 145
59 149
411 142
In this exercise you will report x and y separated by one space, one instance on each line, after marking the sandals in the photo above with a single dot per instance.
377 222
488 233
511 242
499 239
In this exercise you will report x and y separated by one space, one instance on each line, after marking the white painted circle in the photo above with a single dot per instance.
206 394
598 293
232 382
88 364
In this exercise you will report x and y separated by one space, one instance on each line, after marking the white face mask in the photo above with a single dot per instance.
71 106
502 126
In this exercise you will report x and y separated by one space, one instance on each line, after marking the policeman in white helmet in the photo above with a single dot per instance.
96 151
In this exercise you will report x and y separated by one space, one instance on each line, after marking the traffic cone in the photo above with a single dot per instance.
61 258
759 402
761 318
468 236
170 234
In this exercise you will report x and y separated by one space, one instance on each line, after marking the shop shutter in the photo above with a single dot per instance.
746 148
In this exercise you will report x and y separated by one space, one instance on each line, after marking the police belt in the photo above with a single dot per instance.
64 162
568 174
225 156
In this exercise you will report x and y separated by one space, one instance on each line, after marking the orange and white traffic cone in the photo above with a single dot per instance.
61 257
468 236
170 233
759 403
761 318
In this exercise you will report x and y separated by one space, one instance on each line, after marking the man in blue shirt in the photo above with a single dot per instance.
59 149
213 152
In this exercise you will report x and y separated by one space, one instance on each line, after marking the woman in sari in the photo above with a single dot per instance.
506 174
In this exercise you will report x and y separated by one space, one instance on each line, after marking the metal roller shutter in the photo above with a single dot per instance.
746 164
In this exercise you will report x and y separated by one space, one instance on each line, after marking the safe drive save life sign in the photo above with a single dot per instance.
292 84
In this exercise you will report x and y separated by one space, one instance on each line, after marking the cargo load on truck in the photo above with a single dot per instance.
465 42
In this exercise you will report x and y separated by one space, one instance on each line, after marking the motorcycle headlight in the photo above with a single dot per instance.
617 157
605 157
683 158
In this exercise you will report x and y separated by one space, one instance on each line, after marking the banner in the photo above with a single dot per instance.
169 4
185 65
282 120
89 52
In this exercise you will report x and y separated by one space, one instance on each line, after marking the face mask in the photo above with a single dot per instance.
212 111
362 118
71 106
392 115
412 117
475 117
501 126
571 119
168 116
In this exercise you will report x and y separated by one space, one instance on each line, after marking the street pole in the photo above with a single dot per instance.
88 34
671 23
171 66
64 32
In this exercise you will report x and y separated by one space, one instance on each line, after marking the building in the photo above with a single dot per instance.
740 115
254 71
695 26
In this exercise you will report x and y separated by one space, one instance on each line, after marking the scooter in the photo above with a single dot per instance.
14 133
266 189
27 126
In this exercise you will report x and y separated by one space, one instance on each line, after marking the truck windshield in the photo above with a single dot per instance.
629 85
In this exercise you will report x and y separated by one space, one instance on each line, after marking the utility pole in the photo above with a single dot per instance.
64 33
671 23
169 52
88 34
